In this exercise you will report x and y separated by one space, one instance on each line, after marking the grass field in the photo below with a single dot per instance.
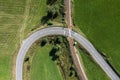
99 20
42 67
15 19
93 71
37 9
11 16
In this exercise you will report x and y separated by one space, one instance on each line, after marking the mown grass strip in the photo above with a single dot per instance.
92 70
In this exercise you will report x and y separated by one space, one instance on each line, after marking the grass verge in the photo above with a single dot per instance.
92 69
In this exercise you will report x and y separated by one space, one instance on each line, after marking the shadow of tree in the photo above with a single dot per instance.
43 43
50 2
53 54
44 19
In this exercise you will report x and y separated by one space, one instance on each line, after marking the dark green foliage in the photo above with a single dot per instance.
49 23
44 19
55 8
50 2
59 40
43 42
26 59
61 56
53 11
53 52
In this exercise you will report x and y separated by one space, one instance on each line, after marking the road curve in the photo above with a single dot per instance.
65 32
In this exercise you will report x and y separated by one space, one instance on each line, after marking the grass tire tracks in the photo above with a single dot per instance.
26 14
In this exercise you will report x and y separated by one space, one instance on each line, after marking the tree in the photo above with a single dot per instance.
59 39
26 59
44 41
44 19
52 11
49 23
50 2
53 53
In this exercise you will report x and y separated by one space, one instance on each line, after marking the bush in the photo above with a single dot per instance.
59 40
26 59
43 42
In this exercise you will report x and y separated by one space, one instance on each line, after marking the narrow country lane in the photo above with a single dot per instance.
65 32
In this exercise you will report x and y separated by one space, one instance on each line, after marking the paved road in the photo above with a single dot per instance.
61 31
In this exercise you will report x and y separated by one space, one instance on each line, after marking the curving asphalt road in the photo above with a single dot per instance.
61 31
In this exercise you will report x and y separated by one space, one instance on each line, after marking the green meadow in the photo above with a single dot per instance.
99 20
42 67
